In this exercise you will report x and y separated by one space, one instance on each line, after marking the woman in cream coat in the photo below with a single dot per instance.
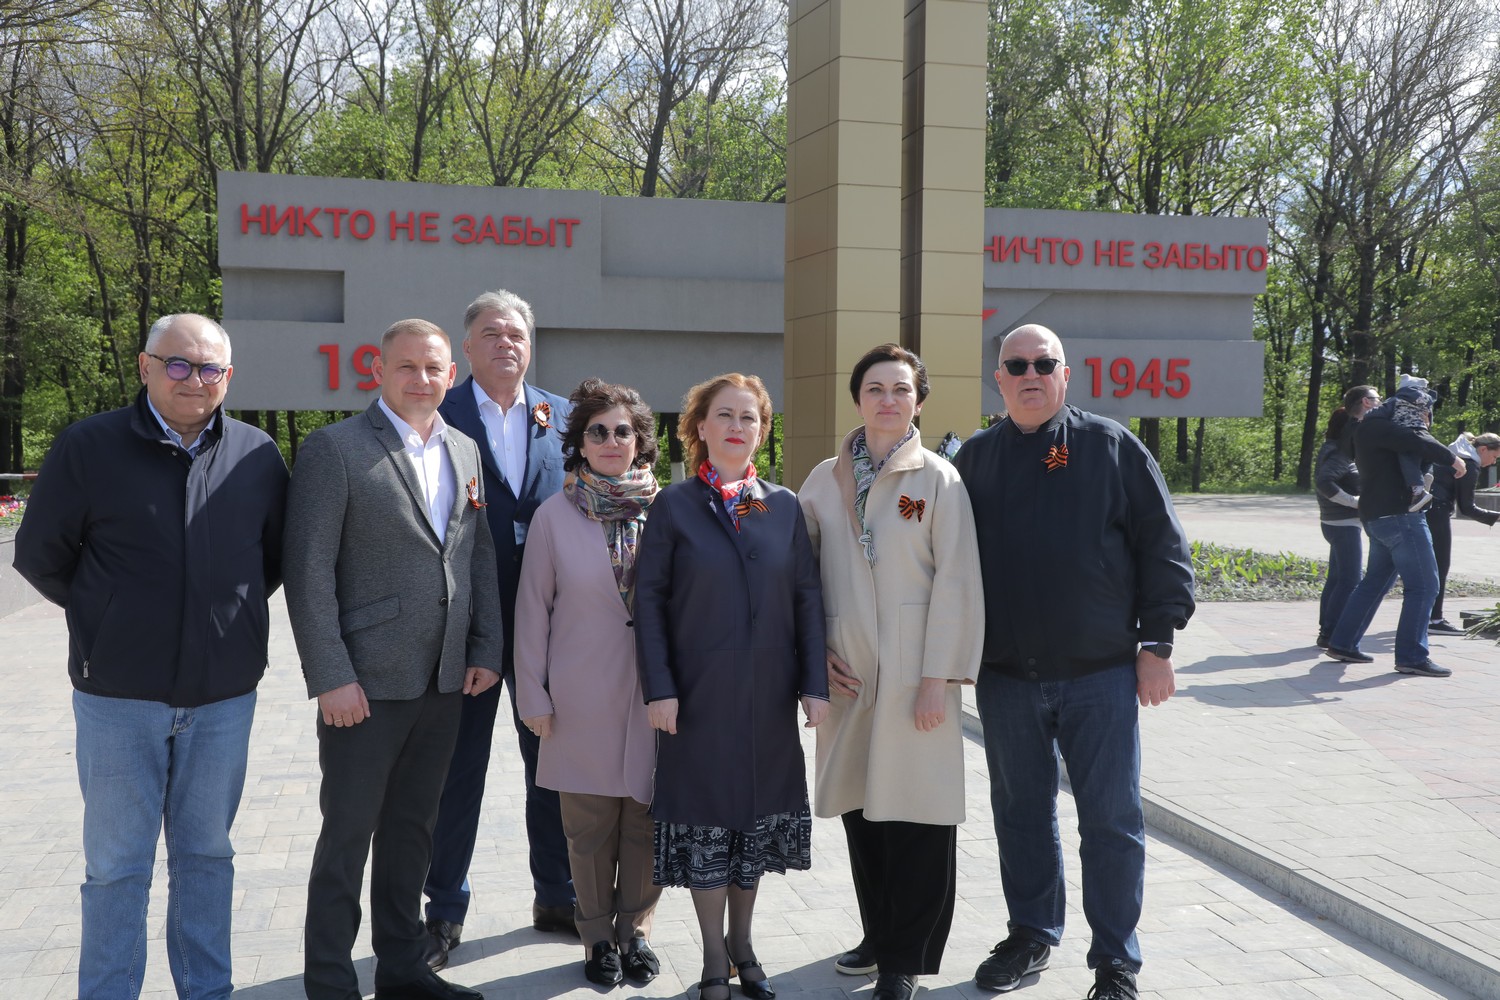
576 681
901 592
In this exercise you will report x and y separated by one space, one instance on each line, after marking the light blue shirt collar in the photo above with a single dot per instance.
191 449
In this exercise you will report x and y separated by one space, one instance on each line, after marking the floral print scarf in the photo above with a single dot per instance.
865 471
619 503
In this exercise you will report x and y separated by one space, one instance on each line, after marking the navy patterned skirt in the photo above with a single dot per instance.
711 857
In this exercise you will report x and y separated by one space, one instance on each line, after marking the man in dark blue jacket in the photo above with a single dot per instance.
1400 542
519 429
158 528
1086 578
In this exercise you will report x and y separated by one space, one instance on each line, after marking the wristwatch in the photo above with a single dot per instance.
1158 649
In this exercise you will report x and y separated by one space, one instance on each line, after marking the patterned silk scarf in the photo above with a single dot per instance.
865 471
733 494
619 503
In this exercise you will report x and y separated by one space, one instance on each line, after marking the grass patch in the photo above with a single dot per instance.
1228 574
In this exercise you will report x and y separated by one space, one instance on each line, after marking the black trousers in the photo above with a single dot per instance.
904 880
1440 526
381 782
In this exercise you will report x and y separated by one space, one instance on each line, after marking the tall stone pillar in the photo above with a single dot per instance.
843 213
885 208
942 206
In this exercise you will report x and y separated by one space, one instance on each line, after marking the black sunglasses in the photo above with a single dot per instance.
598 433
1043 366
178 369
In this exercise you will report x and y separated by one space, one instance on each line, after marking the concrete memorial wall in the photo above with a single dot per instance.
655 293
1155 311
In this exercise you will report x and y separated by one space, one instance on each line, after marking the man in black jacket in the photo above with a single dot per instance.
1400 542
1086 577
158 528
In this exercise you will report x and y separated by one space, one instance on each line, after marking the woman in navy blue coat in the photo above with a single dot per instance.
730 636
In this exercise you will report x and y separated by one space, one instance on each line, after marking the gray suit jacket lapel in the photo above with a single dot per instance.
461 477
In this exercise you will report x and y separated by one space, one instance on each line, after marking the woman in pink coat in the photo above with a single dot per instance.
576 681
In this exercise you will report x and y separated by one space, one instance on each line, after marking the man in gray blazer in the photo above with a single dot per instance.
390 583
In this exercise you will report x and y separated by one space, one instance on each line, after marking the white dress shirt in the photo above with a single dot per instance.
505 433
429 460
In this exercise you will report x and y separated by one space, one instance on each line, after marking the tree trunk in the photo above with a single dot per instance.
12 372
1198 458
1150 435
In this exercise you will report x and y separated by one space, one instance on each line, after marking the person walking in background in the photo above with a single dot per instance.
1336 480
157 527
1358 400
390 580
1450 491
894 531
729 637
1400 543
577 686
518 428
1071 513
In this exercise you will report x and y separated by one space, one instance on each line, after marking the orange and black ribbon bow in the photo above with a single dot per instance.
746 506
1057 458
908 507
473 491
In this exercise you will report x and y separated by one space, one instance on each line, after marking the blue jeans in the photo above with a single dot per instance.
1344 558
1091 723
1399 545
142 764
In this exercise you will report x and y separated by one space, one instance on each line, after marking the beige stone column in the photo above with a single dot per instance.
885 208
942 206
843 218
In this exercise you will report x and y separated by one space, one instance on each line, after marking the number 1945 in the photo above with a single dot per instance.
1127 379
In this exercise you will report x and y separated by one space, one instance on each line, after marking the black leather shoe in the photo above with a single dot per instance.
755 989
603 966
427 986
641 963
857 961
557 919
442 937
894 986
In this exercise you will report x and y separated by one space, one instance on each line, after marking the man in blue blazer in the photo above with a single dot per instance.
519 429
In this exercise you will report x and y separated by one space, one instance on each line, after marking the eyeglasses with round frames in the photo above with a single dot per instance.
178 369
1043 366
598 433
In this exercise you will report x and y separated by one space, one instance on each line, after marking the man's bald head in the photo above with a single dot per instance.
1036 330
1031 397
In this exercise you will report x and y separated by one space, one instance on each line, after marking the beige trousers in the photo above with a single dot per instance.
610 852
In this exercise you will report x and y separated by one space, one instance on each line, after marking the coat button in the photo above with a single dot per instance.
1031 662
442 600
630 623
1031 675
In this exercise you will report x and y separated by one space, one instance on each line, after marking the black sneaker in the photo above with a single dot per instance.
857 961
1321 641
1419 500
1348 655
1442 626
1113 982
1424 669
1010 961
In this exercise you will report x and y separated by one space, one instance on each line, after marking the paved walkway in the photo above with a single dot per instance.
1291 798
